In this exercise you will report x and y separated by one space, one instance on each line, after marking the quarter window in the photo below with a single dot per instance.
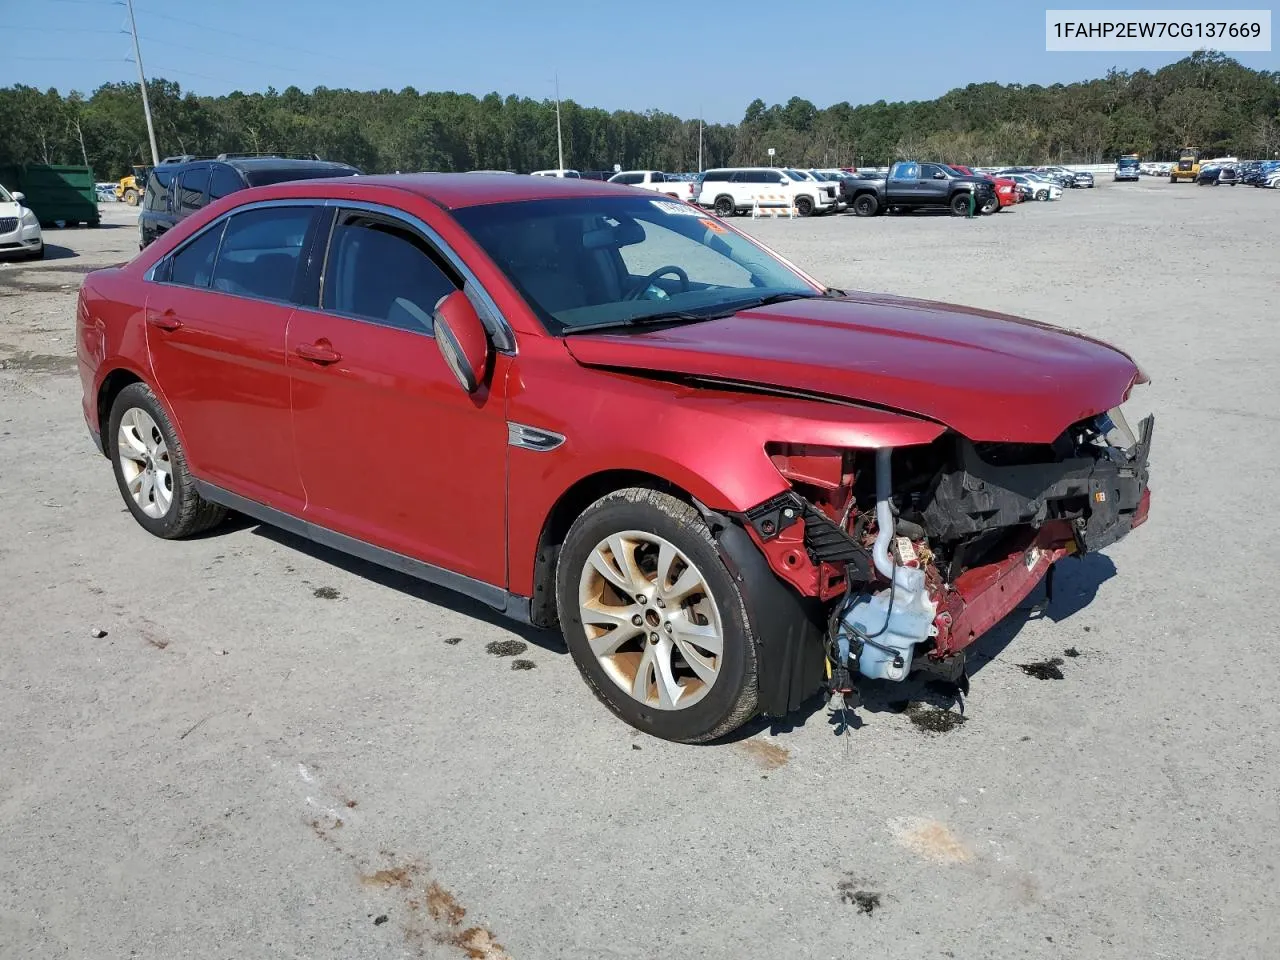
260 252
381 271
156 197
191 189
223 182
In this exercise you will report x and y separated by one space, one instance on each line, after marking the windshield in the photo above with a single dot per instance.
602 261
5 196
1128 161
798 175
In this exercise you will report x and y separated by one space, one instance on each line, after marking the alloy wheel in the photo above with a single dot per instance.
651 620
145 463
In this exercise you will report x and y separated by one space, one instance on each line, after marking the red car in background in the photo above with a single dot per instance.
1006 189
727 484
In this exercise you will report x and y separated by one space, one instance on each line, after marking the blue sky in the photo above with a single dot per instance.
678 59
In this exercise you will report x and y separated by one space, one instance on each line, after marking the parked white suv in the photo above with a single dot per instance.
563 174
658 182
737 190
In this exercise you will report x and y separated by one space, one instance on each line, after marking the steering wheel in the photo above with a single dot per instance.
647 282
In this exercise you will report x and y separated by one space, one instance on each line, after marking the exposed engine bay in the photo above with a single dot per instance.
917 551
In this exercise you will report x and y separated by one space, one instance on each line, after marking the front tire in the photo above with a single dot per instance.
131 197
804 206
151 468
653 619
960 204
1042 194
990 207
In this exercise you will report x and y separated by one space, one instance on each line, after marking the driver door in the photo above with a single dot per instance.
391 450
935 185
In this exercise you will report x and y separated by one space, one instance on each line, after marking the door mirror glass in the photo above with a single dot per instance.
462 340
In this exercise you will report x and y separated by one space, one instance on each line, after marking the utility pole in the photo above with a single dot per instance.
559 138
699 139
142 82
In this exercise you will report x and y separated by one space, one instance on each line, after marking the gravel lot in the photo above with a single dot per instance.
276 751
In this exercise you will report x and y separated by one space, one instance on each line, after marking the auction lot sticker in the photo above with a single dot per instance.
1154 30
675 208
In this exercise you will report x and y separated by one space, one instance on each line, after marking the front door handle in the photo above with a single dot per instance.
319 352
168 320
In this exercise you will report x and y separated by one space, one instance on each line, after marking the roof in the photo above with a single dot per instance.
456 190
281 163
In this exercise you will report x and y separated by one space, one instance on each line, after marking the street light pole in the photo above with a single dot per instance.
699 139
142 83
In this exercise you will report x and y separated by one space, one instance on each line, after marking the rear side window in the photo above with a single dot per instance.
716 176
381 271
156 197
629 178
192 266
224 182
191 188
260 252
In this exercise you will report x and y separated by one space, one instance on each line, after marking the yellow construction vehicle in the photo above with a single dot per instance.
129 189
1187 167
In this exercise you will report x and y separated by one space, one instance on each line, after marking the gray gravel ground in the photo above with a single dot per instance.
273 747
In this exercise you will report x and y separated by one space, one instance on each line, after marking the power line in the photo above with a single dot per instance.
9 26
219 55
72 59
232 33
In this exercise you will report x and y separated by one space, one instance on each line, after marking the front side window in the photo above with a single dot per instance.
905 171
615 261
261 251
191 188
192 266
380 270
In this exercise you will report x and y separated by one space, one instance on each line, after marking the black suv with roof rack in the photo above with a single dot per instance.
180 186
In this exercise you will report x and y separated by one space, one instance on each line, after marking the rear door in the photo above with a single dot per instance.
391 450
216 321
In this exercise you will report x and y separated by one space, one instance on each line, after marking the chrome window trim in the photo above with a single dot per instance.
493 318
219 223
486 306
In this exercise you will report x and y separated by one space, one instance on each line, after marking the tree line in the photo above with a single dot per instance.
1207 100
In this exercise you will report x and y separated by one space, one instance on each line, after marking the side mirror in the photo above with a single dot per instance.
939 175
18 197
462 339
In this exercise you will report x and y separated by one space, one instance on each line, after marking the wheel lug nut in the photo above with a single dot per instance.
653 638
668 626
660 603
641 598
637 620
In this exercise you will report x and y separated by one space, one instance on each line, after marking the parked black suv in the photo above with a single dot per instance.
177 190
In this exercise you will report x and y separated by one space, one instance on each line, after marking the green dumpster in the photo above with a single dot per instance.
55 193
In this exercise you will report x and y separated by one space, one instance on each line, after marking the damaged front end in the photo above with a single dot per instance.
915 552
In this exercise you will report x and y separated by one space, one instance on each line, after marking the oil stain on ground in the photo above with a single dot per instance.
506 648
933 720
768 755
1071 652
929 839
851 892
1044 669
522 664
38 363
325 593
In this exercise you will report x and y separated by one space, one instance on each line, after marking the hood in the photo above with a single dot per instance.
985 375
11 210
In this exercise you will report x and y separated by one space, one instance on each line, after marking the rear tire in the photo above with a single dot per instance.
724 207
865 205
131 197
653 531
151 468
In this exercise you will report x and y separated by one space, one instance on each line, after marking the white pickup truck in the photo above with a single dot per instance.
658 182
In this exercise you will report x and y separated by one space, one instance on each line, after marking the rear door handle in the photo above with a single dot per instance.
168 320
320 352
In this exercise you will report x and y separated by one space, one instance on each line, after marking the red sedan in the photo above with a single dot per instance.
729 485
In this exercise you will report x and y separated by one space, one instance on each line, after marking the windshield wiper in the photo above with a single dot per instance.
670 316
